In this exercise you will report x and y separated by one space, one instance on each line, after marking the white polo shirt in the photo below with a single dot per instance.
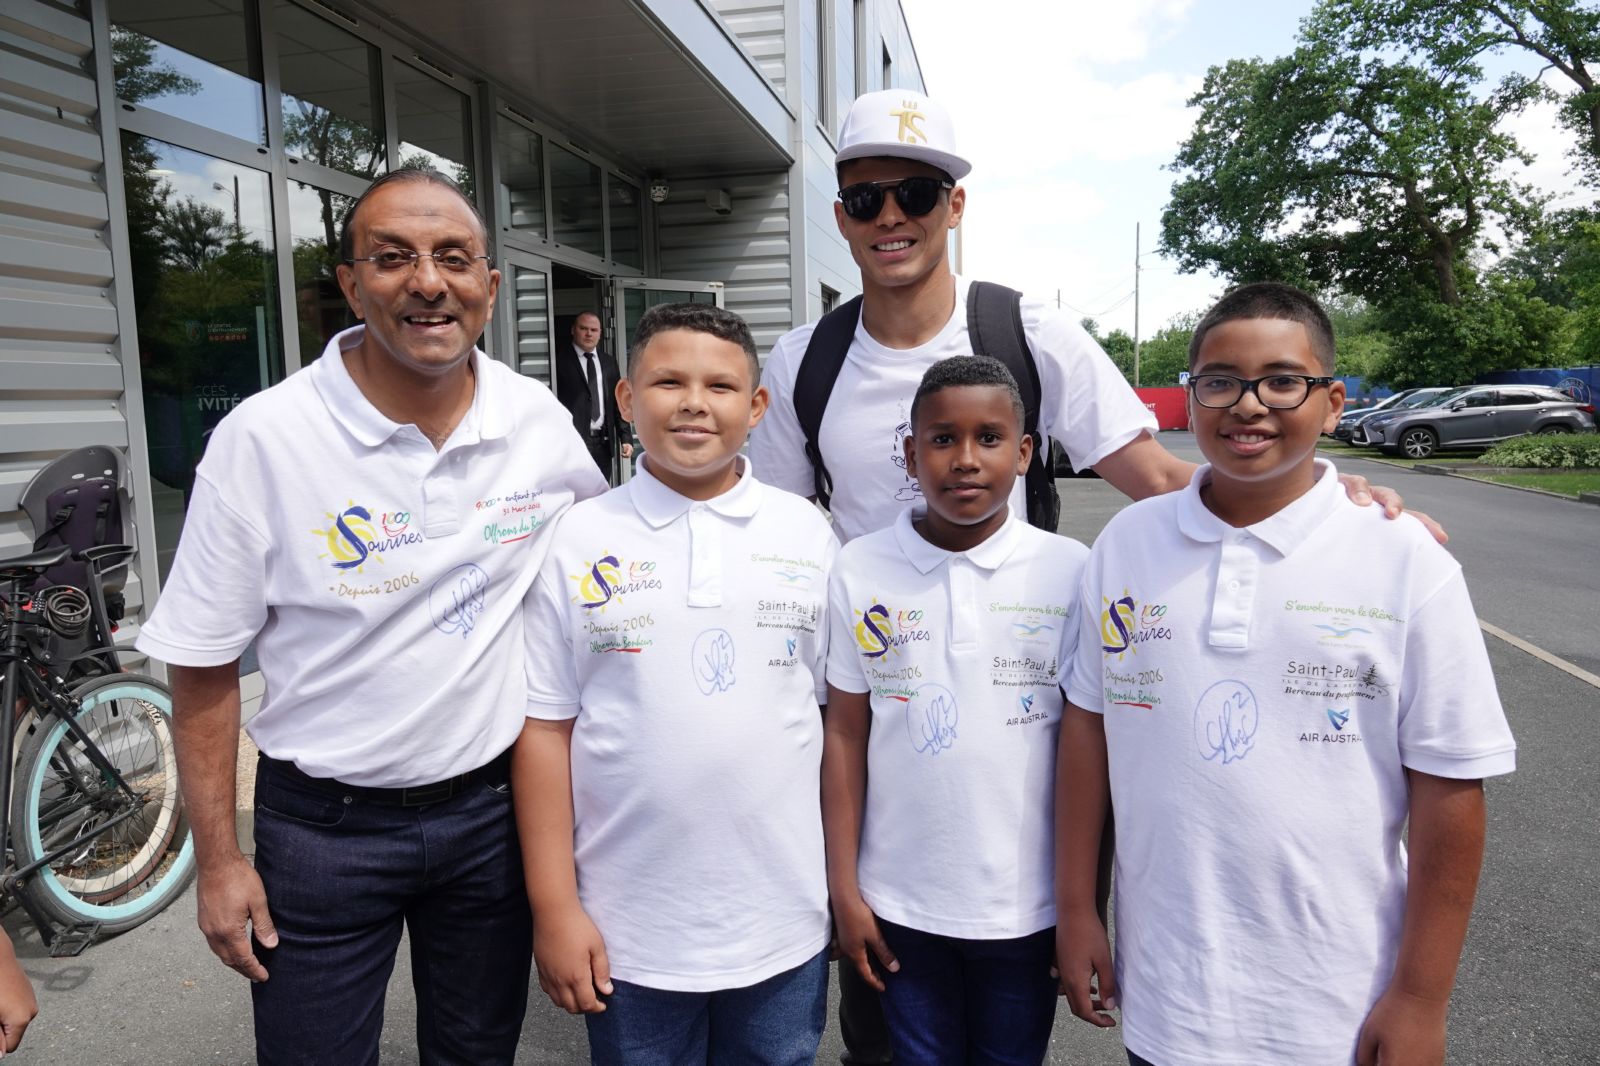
687 639
1264 690
963 654
1085 403
382 580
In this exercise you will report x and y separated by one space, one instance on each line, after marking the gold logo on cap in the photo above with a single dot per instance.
909 116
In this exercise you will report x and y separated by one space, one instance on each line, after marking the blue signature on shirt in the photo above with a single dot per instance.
456 600
712 661
931 719
1225 722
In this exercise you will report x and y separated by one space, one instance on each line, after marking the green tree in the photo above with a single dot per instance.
1560 36
1359 338
1164 354
1380 178
138 75
1334 170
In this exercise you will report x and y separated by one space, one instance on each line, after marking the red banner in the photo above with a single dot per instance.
1168 405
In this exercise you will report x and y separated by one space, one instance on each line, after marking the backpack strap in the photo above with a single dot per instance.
994 328
813 383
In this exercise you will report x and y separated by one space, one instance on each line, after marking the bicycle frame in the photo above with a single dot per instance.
49 701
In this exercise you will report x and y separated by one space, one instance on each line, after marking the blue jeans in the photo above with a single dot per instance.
955 1001
777 1022
342 875
1134 1060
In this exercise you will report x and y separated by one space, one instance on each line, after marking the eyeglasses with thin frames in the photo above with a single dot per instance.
916 196
393 260
1281 392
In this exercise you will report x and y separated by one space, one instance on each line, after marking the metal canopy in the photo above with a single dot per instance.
657 83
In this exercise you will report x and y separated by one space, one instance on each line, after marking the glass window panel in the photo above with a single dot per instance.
320 308
844 60
626 222
635 302
332 98
575 197
521 177
434 121
197 60
206 301
531 298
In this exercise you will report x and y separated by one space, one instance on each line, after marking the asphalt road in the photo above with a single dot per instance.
1529 989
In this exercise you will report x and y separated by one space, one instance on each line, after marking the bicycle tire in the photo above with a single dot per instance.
134 870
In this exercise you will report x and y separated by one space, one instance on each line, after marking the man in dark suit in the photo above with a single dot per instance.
586 385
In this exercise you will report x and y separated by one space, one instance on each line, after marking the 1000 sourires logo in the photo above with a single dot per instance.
608 579
880 630
1125 624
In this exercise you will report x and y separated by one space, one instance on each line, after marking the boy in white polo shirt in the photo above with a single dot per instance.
667 778
948 635
1270 682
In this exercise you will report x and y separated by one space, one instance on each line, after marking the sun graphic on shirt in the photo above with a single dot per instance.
349 538
1117 621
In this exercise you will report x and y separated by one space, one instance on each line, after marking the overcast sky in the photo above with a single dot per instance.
1069 112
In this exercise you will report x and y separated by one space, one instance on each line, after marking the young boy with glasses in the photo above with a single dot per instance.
899 168
1270 684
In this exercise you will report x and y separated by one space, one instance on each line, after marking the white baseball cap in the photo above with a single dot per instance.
905 124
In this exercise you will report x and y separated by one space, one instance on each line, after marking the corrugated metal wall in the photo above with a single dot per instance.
61 381
758 24
747 250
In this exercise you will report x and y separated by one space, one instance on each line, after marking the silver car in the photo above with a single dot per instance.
1475 416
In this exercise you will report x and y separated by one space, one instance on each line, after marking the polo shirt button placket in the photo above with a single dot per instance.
705 557
963 611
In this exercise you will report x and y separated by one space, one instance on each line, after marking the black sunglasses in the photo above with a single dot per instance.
916 196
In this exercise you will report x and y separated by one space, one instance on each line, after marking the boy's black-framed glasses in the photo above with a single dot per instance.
1281 392
453 260
916 196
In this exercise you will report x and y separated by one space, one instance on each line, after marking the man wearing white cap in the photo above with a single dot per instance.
898 165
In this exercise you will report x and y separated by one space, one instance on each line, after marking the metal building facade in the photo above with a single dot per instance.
701 133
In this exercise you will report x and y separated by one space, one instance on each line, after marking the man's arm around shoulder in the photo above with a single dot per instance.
1143 468
231 899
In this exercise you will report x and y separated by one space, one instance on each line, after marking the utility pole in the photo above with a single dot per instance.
1136 305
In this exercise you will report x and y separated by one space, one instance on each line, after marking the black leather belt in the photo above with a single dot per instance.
495 772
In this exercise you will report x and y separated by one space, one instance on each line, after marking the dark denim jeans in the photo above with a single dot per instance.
861 1024
1134 1060
955 1002
342 875
777 1022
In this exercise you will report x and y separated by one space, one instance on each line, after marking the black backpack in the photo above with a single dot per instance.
994 328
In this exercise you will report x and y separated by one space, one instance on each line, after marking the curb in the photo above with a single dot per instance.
1584 497
1445 471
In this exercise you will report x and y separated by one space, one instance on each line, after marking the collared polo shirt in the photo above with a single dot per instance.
963 654
1264 691
381 579
687 638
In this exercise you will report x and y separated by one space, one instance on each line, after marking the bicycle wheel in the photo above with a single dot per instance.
132 870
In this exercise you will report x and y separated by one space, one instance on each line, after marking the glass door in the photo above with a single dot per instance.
525 314
632 297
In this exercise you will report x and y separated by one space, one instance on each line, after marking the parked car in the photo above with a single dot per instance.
1400 401
1475 416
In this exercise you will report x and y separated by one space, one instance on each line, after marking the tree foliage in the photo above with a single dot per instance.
1359 168
1336 170
1559 38
138 75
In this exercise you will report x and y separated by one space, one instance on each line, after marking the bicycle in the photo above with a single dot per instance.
91 823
